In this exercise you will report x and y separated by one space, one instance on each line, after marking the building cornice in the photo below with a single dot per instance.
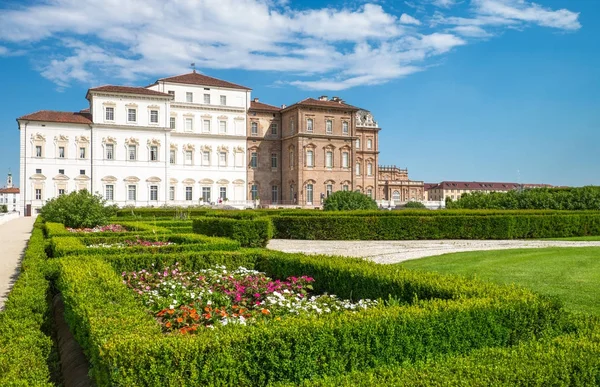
214 108
208 135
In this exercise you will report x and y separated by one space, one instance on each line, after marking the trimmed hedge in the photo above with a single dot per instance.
126 347
63 246
568 360
25 347
514 226
250 233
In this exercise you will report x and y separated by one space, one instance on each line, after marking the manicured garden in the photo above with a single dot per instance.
152 303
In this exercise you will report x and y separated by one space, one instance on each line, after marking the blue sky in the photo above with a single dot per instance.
493 90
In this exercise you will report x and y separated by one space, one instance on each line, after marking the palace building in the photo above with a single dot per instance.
193 139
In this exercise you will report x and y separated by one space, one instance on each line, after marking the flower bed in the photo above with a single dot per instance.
107 228
132 243
184 301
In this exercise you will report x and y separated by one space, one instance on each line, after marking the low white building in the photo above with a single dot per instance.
10 195
179 141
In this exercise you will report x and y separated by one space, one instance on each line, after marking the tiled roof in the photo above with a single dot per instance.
63 117
324 103
202 80
478 185
129 90
13 190
428 186
255 105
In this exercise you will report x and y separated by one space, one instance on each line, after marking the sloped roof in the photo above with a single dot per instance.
63 117
323 103
255 105
129 90
202 80
478 185
13 190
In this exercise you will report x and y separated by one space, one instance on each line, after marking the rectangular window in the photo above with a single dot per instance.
309 125
110 113
328 189
131 192
153 153
82 171
171 93
110 192
274 194
223 100
207 99
189 157
309 194
38 194
171 193
154 116
82 153
345 162
223 193
369 144
254 192
345 187
345 128
206 126
172 156
38 170
274 160
154 192
131 115
189 97
310 162
188 193
132 152
274 128
358 143
254 129
370 193
38 151
358 169
206 194
61 171
222 126
369 169
222 159
329 159
110 151
329 126
61 152
292 126
61 191
253 160
206 158
291 159
172 121
189 124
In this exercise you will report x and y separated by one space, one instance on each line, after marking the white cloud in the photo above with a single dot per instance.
94 40
444 3
407 19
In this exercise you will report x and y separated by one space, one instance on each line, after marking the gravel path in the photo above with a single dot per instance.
398 251
14 235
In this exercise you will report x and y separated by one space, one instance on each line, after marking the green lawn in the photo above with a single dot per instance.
582 238
572 274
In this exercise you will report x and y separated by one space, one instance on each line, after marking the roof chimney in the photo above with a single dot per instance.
323 98
283 106
255 99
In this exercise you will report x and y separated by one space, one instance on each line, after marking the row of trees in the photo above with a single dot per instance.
584 198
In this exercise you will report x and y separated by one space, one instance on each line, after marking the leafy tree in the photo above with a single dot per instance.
348 200
417 205
78 209
4 208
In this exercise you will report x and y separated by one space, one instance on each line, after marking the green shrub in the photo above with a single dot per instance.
516 226
67 245
78 209
580 198
3 208
568 360
125 345
348 200
416 205
250 233
25 345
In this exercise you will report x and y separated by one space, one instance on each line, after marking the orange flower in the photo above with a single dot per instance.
179 320
183 330
168 324
207 309
193 311
265 311
171 311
